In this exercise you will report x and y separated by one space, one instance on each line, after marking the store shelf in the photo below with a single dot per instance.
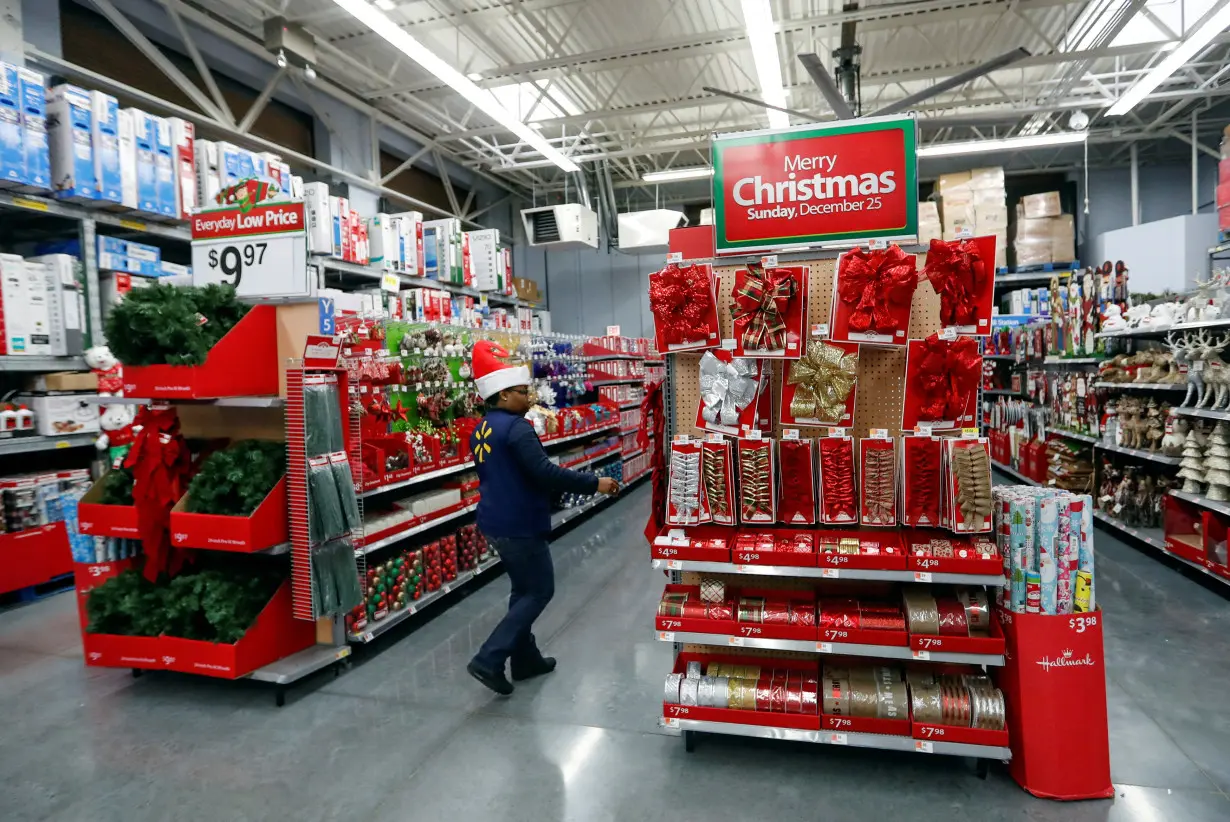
1071 360
655 362
371 631
1139 453
635 453
1011 357
1219 249
1012 472
1156 538
229 402
610 452
597 357
356 270
623 432
853 740
569 438
1072 435
619 381
19 362
412 530
826 573
417 478
1203 413
42 205
296 666
1157 332
25 445
1219 506
628 405
1026 278
1143 386
827 648
1003 392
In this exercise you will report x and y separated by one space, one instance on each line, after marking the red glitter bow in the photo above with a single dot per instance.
160 463
681 300
959 274
947 373
760 308
875 286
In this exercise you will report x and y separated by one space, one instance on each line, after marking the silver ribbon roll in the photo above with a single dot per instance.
689 692
671 697
713 692
693 670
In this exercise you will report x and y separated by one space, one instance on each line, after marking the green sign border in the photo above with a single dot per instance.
717 151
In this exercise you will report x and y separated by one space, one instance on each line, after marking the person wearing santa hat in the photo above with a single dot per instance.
516 482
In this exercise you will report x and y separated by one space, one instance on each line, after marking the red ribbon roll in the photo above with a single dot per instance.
681 300
947 373
876 286
959 274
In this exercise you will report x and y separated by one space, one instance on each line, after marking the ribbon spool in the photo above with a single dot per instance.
673 681
712 692
720 610
977 608
836 692
760 306
926 703
693 670
803 613
689 692
751 609
742 694
823 379
775 612
921 612
952 617
712 590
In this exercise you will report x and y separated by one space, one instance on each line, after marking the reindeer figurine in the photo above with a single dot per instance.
1215 375
1185 353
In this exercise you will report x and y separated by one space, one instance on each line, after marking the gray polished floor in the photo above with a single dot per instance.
406 735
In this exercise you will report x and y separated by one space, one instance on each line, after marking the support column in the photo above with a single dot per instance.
1195 164
1135 187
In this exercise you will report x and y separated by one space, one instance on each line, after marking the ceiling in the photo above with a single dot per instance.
618 84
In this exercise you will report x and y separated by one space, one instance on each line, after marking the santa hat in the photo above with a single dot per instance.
491 374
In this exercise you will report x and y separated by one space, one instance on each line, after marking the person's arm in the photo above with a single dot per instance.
533 460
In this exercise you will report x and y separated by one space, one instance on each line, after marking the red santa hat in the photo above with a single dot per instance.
491 374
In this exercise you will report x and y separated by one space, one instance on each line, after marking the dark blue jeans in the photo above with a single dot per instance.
529 567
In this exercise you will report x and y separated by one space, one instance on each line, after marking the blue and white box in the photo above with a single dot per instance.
164 160
34 130
105 141
68 137
130 257
145 139
127 143
12 155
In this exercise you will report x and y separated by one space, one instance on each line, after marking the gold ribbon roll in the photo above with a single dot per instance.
921 612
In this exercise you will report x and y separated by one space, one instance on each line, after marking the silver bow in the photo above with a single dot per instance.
726 388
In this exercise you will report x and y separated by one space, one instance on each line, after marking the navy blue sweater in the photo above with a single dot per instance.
516 480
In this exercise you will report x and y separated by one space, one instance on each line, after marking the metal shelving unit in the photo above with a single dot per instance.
26 445
1139 453
27 364
1203 413
805 646
826 573
1072 435
419 528
367 272
1143 386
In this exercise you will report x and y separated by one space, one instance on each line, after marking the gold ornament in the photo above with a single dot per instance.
823 378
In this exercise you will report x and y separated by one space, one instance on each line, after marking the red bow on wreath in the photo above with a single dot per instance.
160 462
875 286
959 274
947 373
680 299
760 308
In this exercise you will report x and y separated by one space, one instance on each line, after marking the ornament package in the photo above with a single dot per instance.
877 480
872 295
685 502
967 485
769 310
683 299
819 388
730 388
920 480
756 481
838 504
718 476
941 382
962 272
796 500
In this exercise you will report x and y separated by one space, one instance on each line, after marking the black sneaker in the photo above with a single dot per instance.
543 665
496 682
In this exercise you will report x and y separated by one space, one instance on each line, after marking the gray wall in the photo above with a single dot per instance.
588 290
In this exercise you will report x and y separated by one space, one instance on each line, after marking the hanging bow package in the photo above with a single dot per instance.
796 500
683 299
838 504
871 298
967 485
769 310
756 482
962 272
941 382
819 388
920 483
685 504
718 476
729 388
877 481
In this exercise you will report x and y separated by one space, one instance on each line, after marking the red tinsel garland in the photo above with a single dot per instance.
959 274
922 480
797 491
681 299
837 474
947 373
876 285
160 464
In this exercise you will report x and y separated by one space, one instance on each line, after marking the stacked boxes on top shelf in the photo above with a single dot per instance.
974 204
1044 234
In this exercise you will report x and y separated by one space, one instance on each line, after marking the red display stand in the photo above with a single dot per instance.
267 526
89 575
34 556
1054 684
99 520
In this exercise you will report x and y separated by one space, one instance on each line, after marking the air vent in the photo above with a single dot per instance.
562 226
546 229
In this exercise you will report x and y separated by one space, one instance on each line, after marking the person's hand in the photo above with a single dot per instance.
606 485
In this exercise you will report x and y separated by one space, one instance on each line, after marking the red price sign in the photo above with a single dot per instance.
842 181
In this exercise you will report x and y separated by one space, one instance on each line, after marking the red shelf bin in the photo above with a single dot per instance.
698 543
766 555
100 520
267 526
415 522
974 563
274 635
34 556
890 558
864 725
955 733
1185 527
244 363
1215 553
89 575
993 644
805 722
698 625
769 630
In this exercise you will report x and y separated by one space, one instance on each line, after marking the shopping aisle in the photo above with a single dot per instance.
407 735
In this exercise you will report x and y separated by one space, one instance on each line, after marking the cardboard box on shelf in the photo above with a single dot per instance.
23 307
991 178
526 289
1032 250
990 218
65 281
57 415
990 197
1045 204
63 381
958 216
68 140
33 100
12 154
1063 239
929 226
952 182
1033 228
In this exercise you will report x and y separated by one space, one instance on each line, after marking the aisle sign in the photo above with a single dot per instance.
802 186
262 252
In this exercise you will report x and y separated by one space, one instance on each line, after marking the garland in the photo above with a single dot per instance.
117 487
234 481
171 325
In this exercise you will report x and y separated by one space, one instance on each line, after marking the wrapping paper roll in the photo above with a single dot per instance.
712 590
671 697
693 670
921 613
952 617
977 608
689 692
926 703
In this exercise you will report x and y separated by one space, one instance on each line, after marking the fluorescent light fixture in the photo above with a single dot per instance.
758 17
381 25
1005 144
1193 43
387 5
474 76
676 174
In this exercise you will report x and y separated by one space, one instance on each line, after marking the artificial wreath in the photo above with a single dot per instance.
234 481
171 325
117 487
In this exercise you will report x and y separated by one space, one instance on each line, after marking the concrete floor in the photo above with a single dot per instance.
407 735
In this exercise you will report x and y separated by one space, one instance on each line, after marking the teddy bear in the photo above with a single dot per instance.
118 432
103 363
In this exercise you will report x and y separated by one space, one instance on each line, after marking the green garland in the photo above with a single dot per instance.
234 481
211 605
171 325
117 487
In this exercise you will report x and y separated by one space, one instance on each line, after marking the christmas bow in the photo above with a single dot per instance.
681 299
959 274
875 285
160 462
726 388
947 373
760 308
823 378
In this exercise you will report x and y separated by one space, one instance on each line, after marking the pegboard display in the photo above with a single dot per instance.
880 390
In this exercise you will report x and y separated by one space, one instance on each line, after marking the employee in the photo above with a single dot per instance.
516 483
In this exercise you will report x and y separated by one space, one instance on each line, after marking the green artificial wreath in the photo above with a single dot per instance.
234 481
117 487
171 325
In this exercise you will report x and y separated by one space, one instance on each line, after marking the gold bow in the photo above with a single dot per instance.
823 378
